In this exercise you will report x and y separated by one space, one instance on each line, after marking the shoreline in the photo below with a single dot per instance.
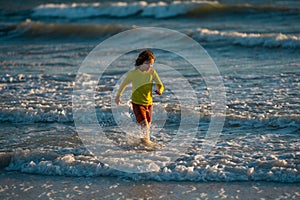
16 185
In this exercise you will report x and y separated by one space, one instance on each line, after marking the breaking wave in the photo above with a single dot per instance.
231 165
34 29
142 8
269 40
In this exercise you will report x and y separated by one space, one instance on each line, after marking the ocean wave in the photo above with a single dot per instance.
118 9
230 165
55 30
142 8
36 30
269 40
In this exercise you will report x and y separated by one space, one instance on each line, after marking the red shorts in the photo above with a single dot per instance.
142 112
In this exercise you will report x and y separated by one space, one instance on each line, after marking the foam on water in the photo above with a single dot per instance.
242 157
267 151
38 30
44 98
118 9
249 39
158 10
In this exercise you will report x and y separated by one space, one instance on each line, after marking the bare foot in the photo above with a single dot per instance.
147 142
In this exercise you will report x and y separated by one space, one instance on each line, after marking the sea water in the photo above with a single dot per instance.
255 46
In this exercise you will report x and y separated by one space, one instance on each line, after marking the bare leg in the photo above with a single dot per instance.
146 133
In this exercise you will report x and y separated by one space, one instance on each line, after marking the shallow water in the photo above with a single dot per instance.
258 59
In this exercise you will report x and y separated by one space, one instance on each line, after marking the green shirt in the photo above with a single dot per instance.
141 85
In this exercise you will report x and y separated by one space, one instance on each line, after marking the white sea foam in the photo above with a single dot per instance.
246 158
159 9
238 156
164 10
271 40
118 9
31 28
44 98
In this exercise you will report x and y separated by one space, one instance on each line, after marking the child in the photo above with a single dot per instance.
142 80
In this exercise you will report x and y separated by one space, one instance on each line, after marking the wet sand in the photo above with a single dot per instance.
15 185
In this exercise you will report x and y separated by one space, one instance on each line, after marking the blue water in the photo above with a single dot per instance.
255 46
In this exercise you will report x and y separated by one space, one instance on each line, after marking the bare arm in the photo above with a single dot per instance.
158 83
123 86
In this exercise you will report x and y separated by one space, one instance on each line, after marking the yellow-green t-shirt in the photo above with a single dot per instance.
141 85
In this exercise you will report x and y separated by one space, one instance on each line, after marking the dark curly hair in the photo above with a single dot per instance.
144 56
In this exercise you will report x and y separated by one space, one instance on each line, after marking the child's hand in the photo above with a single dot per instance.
118 100
158 92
